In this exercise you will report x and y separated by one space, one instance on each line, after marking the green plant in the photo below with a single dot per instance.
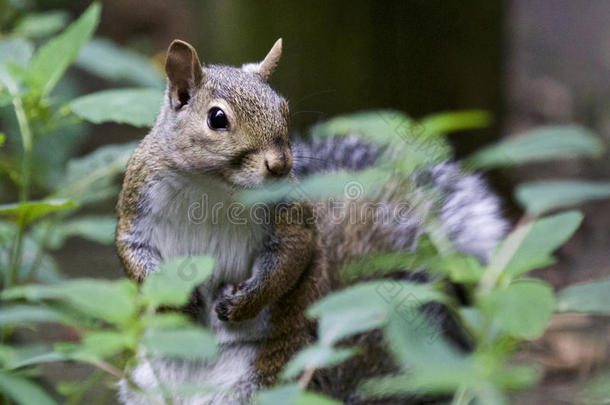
506 307
113 320
44 133
27 80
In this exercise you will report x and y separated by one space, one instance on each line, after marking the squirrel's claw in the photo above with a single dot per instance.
232 305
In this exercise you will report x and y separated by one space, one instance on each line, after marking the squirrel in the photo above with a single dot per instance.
222 130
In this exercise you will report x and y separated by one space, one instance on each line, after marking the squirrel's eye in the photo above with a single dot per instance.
217 119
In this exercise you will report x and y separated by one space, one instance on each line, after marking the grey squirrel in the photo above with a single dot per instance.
223 129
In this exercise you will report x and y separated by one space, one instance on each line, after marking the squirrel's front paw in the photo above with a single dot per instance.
232 305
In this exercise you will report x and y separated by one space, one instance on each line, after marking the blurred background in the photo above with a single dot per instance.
527 62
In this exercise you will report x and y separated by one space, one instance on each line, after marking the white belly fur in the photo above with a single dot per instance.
196 217
188 218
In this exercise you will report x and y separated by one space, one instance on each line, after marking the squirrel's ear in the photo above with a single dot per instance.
183 71
265 68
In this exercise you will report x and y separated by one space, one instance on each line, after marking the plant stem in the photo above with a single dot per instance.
505 254
27 141
16 257
24 185
107 367
306 377
461 396
31 273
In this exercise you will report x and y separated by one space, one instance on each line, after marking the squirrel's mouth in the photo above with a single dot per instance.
252 181
254 176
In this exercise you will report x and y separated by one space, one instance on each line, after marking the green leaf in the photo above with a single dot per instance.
5 99
316 356
26 212
110 301
91 178
544 236
39 25
379 264
379 126
105 59
187 343
488 394
137 107
340 184
107 343
98 229
367 306
48 357
74 352
540 144
14 357
12 315
36 264
418 345
591 297
32 259
459 268
22 391
176 279
477 323
453 121
417 151
544 196
516 377
387 386
13 52
291 394
313 398
54 57
165 320
409 144
436 380
376 264
282 395
523 309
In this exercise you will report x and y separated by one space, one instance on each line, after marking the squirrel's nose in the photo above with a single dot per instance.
278 163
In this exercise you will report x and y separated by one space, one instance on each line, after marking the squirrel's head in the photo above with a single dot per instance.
224 120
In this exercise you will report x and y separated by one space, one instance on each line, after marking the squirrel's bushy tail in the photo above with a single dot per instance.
470 214
330 154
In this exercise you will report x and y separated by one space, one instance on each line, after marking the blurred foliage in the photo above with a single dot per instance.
114 320
137 107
